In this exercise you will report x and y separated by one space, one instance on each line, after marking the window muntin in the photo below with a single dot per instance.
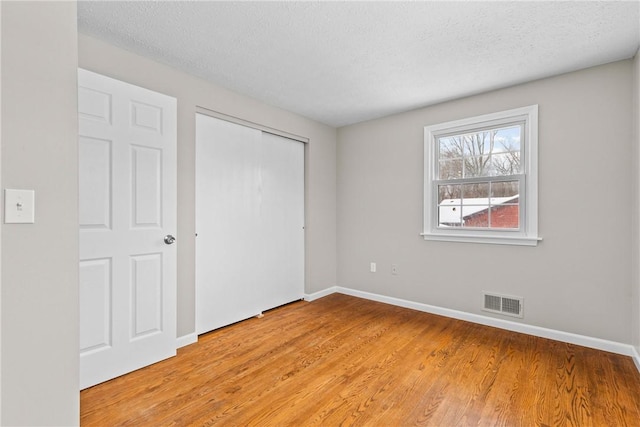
480 184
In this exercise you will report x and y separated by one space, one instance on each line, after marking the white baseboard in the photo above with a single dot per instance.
596 343
636 357
320 294
185 340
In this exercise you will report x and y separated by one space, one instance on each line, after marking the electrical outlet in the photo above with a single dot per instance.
372 267
394 269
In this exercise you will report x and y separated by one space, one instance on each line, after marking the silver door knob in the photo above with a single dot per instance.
169 239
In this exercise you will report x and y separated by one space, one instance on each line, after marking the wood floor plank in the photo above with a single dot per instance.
344 361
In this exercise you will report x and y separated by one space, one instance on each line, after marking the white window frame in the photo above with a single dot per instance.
527 234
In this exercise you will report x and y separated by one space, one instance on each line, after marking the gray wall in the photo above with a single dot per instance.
578 279
40 261
320 158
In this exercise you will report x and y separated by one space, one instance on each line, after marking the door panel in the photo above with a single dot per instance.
95 329
127 155
146 295
95 183
146 187
282 227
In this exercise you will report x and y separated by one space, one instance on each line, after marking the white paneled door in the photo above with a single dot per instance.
249 220
127 159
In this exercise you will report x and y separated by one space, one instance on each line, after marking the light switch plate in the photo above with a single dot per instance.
19 206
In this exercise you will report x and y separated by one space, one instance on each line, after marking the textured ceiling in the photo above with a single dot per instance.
345 62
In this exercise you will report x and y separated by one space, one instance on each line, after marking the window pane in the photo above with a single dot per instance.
507 139
475 144
470 192
505 189
447 192
450 169
505 164
449 206
476 216
448 148
505 211
475 204
506 215
475 166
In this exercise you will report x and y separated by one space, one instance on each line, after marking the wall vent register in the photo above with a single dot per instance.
502 304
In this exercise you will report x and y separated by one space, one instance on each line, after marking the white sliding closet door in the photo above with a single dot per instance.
249 222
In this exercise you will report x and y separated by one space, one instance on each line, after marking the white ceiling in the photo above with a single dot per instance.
344 62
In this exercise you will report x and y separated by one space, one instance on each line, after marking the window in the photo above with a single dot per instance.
480 182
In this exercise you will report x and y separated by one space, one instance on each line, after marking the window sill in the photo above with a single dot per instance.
474 238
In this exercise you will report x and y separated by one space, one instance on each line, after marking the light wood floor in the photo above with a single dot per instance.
342 361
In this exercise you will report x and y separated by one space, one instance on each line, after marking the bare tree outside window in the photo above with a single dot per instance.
490 153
